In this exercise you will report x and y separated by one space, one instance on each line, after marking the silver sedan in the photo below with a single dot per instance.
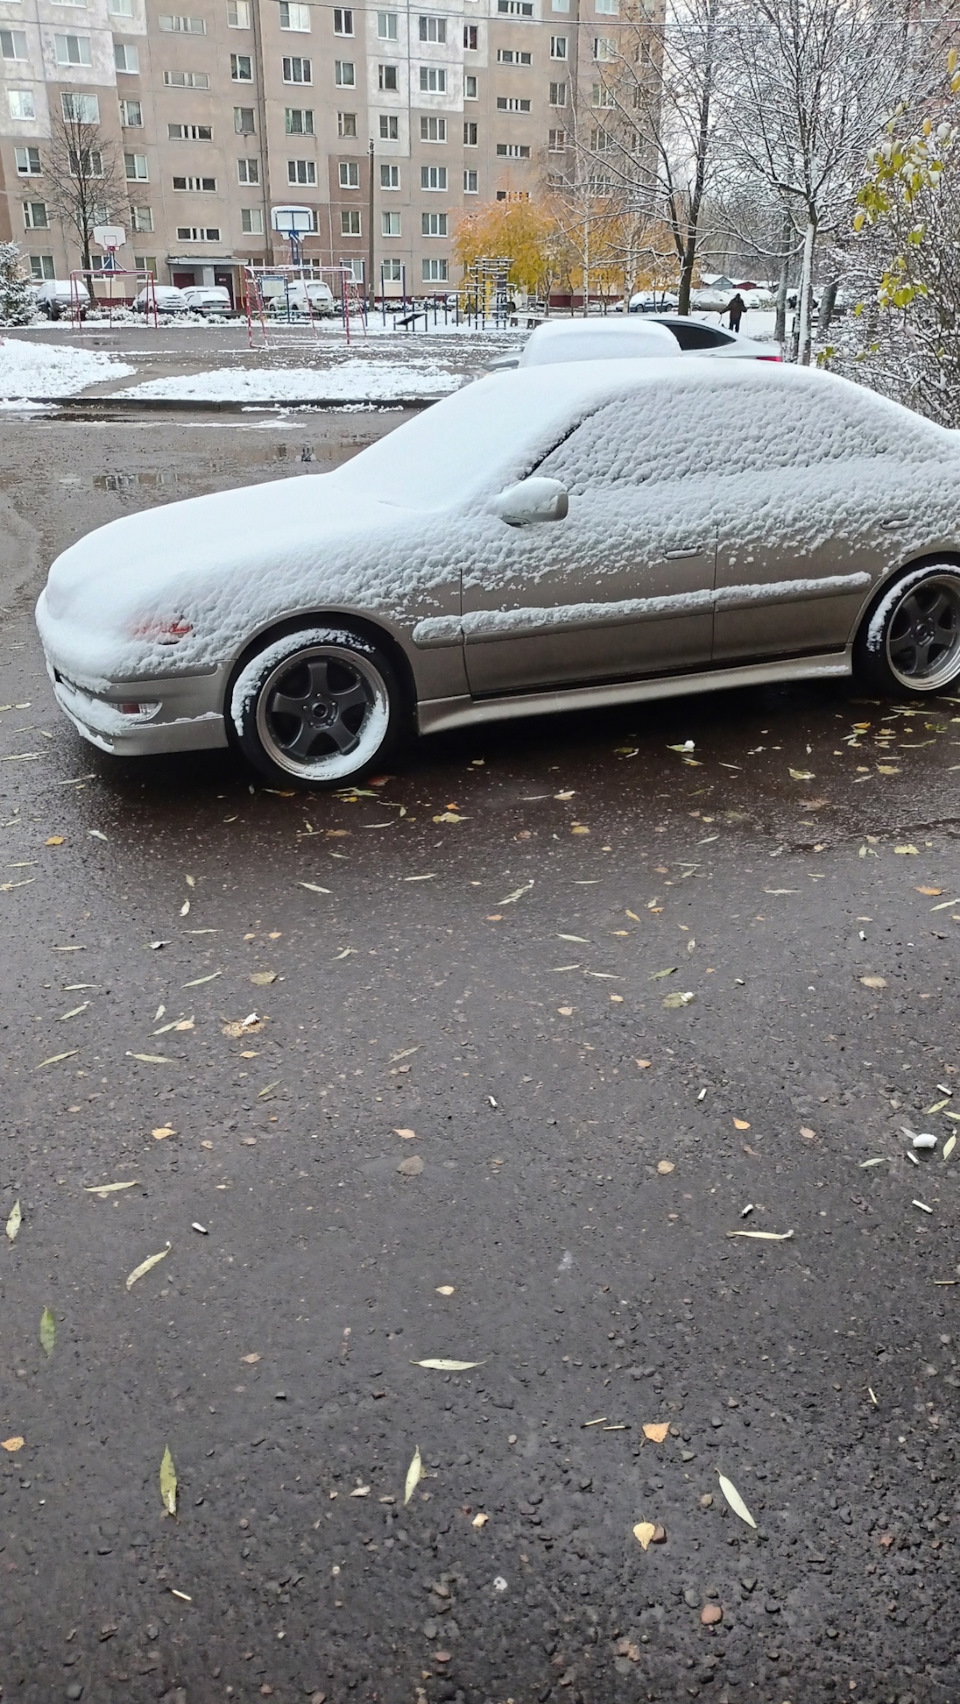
583 534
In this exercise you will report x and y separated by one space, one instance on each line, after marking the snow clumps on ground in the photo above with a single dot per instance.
42 370
355 380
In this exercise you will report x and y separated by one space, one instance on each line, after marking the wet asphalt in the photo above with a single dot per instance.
430 1092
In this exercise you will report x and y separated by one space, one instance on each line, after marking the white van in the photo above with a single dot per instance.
306 298
59 298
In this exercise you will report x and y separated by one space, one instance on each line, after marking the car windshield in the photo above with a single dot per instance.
480 438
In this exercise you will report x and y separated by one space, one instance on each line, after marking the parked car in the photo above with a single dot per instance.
168 299
654 334
587 534
211 299
63 298
695 337
302 299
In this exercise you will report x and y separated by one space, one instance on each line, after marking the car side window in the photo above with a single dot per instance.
647 436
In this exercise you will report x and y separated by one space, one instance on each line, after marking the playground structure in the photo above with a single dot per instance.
109 238
256 302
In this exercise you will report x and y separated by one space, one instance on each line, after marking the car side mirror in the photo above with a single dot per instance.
534 499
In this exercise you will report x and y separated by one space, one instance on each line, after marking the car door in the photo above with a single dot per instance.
815 507
623 585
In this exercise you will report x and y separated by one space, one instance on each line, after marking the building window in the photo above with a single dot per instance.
41 266
35 216
512 103
69 49
182 26
609 8
248 171
471 37
243 121
241 68
558 94
344 73
387 26
80 109
120 8
131 115
470 88
146 263
393 271
197 185
21 103
298 121
388 78
604 49
251 221
126 58
350 222
186 132
433 177
298 18
352 270
135 168
560 5
349 173
470 135
434 271
89 160
389 177
433 80
27 161
557 141
433 29
390 224
513 151
516 8
599 186
433 224
301 171
346 124
238 14
601 96
433 129
558 47
198 233
141 218
389 127
513 56
13 45
471 184
186 79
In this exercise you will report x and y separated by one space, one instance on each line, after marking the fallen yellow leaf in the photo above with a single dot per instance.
251 1360
408 1135
664 1167
740 1124
480 1520
12 1445
55 840
643 1532
931 891
444 1289
874 981
656 1433
162 1131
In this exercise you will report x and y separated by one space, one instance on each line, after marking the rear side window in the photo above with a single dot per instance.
693 335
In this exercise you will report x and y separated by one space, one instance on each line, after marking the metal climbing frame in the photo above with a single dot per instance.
143 279
348 293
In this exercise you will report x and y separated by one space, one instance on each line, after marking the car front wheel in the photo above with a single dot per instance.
910 640
316 707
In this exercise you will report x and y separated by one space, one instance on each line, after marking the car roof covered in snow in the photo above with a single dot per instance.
595 340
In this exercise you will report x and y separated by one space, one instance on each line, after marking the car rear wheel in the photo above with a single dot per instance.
317 707
910 639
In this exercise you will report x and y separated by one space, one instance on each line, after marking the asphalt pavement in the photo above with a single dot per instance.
506 1059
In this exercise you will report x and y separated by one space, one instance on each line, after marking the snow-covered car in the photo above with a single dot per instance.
63 298
695 337
167 299
584 534
300 299
654 334
211 299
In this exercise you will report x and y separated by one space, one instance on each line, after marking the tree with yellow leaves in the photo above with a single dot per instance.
517 230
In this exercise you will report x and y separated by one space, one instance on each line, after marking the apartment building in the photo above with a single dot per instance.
385 123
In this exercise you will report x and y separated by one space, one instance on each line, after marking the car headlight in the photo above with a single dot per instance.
157 631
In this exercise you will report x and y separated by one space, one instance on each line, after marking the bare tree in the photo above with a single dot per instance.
83 172
812 83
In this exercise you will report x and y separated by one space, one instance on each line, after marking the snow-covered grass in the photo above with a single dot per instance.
40 370
355 380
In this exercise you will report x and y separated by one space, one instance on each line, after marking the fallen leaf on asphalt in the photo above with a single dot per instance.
146 1265
150 1058
55 840
251 1360
949 1146
579 828
185 907
802 774
406 1134
450 816
14 1221
580 939
168 1483
429 878
162 1132
928 890
414 1476
48 1332
12 1445
263 978
565 1011
735 1500
74 1012
644 1064
945 905
269 1088
665 1167
874 981
55 1058
480 1520
740 1124
657 1431
807 1132
763 1236
183 1596
448 1366
198 980
191 881
710 1614
887 769
643 1532
776 891
881 1160
108 1188
657 975
674 1000
517 893
313 888
96 834
411 1167
907 851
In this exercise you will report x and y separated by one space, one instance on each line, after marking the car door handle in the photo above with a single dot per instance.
690 550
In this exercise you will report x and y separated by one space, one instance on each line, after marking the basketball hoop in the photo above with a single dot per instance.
294 223
109 237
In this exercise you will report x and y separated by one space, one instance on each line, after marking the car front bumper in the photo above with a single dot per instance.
141 717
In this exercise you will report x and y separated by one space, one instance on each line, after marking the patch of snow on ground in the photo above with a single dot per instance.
40 370
352 381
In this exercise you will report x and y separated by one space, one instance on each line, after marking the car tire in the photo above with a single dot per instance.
909 640
317 708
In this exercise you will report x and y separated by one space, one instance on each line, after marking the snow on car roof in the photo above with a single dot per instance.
591 340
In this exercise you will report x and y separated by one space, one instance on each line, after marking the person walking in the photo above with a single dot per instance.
735 310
